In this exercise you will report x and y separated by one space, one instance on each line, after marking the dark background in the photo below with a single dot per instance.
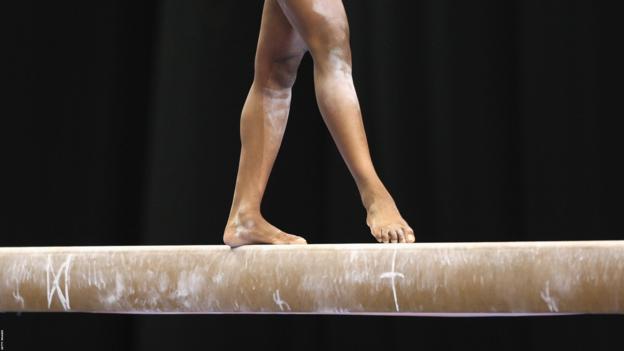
487 121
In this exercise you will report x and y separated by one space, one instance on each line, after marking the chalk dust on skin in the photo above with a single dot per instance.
276 107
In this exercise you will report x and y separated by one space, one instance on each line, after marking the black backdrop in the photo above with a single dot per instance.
487 121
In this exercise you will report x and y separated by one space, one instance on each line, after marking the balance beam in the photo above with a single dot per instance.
421 279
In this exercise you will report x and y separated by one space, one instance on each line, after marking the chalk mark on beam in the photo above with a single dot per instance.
392 275
17 295
63 270
278 300
550 301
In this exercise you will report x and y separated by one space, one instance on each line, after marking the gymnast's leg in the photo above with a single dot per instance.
263 121
324 27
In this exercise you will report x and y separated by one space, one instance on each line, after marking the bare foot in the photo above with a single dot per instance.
384 219
252 228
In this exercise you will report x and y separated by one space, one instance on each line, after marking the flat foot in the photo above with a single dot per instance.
249 229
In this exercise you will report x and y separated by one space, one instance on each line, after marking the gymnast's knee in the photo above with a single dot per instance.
331 49
277 73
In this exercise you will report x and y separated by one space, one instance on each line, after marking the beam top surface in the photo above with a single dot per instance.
311 247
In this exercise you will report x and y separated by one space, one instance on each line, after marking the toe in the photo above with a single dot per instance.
410 235
299 240
294 239
401 235
384 235
393 235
